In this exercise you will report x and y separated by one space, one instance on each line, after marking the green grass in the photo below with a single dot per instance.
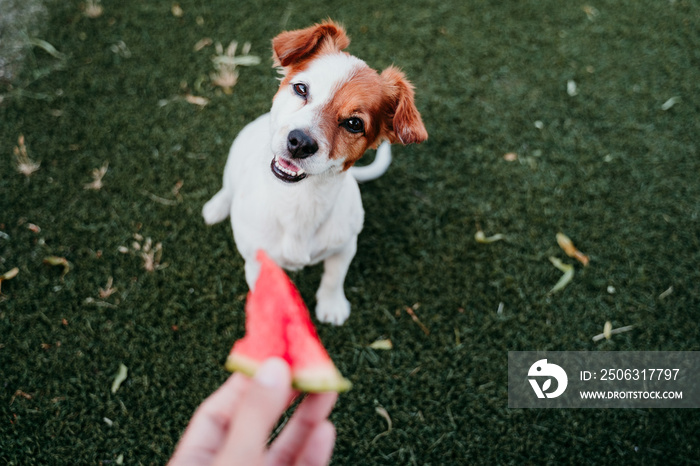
607 166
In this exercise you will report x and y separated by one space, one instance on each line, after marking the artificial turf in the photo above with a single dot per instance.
599 102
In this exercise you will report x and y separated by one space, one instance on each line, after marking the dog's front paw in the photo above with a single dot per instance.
333 310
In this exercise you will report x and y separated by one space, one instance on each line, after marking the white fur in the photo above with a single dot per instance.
377 168
297 224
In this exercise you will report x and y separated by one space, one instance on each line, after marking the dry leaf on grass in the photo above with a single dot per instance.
46 47
20 394
93 9
9 275
225 79
196 100
24 164
385 414
160 200
108 290
227 62
568 270
608 331
591 12
666 293
94 302
150 254
62 261
568 246
413 315
382 345
97 175
121 376
205 42
670 103
176 189
177 10
480 237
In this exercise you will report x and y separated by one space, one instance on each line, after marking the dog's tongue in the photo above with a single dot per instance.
284 163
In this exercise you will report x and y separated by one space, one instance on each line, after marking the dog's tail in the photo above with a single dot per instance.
377 168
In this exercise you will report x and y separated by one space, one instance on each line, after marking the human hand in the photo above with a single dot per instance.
233 425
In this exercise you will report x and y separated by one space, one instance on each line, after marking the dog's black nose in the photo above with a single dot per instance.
300 144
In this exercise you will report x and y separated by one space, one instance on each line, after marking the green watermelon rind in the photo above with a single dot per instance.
317 380
326 379
243 364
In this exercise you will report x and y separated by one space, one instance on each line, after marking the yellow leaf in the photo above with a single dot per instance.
568 246
382 345
195 100
121 376
566 278
12 273
480 237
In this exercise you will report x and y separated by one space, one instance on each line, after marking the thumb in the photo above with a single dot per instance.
258 410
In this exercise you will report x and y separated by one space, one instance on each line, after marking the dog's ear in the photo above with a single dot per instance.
298 46
404 123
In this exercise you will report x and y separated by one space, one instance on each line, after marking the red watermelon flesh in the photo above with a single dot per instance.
278 324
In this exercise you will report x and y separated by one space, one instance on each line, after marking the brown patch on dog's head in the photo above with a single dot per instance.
385 105
358 98
294 49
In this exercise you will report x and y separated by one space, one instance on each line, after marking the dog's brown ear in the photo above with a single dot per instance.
298 46
404 123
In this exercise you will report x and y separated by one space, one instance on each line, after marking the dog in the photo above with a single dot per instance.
289 184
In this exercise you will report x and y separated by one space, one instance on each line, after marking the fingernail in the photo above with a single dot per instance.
273 373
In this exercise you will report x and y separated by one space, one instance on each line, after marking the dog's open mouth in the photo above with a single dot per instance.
286 170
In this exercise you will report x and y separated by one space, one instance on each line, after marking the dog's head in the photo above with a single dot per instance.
331 107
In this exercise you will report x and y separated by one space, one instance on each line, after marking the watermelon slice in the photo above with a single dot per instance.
278 324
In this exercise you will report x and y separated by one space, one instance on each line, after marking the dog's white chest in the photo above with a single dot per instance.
295 229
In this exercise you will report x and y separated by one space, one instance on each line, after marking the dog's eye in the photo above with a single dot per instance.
301 89
354 125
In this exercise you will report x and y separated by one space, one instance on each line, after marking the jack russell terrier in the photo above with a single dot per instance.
289 184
